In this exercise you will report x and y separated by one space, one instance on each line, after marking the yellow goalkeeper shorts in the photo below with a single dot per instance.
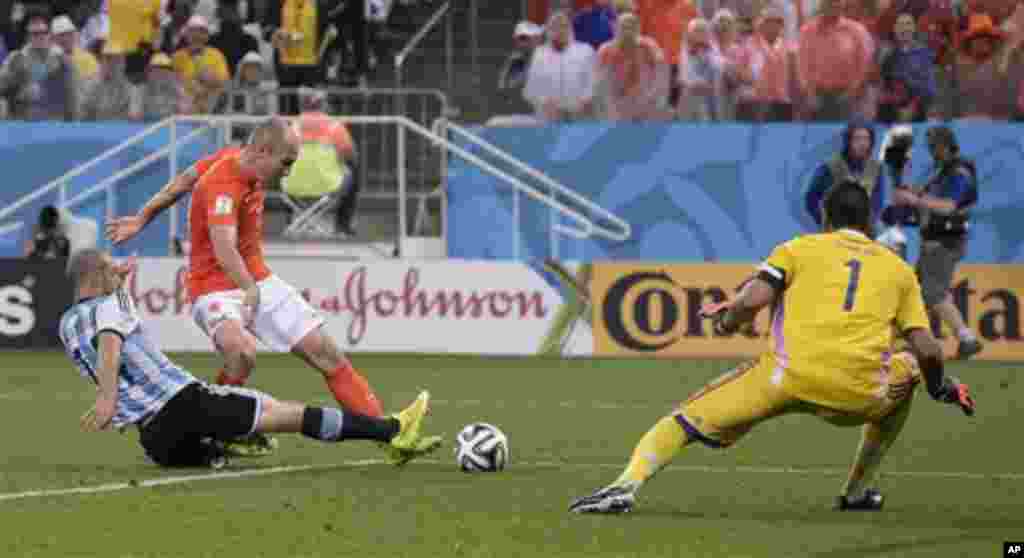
729 406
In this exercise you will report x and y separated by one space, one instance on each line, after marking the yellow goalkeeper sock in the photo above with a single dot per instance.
869 456
656 449
876 439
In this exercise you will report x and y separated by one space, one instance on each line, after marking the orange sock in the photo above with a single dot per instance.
224 380
353 392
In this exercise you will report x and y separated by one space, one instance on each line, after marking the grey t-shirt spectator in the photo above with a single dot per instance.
40 84
114 97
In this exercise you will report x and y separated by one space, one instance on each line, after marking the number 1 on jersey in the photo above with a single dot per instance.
851 287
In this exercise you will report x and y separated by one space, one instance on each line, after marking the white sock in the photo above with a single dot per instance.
965 334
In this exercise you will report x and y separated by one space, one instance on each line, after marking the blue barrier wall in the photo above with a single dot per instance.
33 154
703 192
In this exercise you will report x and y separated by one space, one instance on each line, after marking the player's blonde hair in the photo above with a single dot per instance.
85 267
273 133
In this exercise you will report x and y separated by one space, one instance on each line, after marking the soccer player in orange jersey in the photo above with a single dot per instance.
236 298
123 229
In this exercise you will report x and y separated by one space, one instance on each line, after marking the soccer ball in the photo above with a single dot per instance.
481 447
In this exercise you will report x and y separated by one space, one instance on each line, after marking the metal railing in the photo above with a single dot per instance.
443 12
107 185
61 183
592 219
588 219
376 148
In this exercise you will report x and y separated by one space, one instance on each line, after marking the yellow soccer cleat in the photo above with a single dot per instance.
408 444
425 446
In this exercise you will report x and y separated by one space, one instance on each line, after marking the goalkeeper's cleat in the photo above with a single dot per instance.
254 445
408 443
612 499
871 500
967 349
958 393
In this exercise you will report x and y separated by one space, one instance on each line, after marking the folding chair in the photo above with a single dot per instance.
312 188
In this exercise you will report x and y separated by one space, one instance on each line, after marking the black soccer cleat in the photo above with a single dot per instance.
610 500
215 454
872 500
967 349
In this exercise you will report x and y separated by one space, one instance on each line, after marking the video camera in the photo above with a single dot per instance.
895 154
896 151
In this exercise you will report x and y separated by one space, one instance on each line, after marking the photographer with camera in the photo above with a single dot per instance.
853 163
941 210
49 242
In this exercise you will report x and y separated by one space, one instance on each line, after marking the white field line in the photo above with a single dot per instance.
224 475
163 481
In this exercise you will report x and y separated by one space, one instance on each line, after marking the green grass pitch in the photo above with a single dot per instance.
954 486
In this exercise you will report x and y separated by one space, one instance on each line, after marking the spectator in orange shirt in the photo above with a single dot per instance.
316 127
665 21
983 67
633 74
998 10
771 59
866 13
834 62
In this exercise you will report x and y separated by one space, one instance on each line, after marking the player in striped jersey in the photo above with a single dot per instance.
181 420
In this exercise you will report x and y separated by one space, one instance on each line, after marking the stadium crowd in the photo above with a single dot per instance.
690 60
149 59
773 60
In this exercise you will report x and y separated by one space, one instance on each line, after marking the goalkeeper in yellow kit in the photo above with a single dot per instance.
838 297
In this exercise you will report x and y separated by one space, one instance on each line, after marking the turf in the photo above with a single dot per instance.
954 487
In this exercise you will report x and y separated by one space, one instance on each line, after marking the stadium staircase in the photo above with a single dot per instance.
475 93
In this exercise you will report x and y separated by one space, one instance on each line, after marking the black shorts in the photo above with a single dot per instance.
180 434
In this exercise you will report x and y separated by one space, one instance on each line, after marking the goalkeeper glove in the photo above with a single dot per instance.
955 392
717 312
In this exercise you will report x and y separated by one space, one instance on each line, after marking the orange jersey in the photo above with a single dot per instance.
223 196
201 166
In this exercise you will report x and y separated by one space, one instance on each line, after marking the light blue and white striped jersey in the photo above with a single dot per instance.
147 379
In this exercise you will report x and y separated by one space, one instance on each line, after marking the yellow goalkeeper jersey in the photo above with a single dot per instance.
832 331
